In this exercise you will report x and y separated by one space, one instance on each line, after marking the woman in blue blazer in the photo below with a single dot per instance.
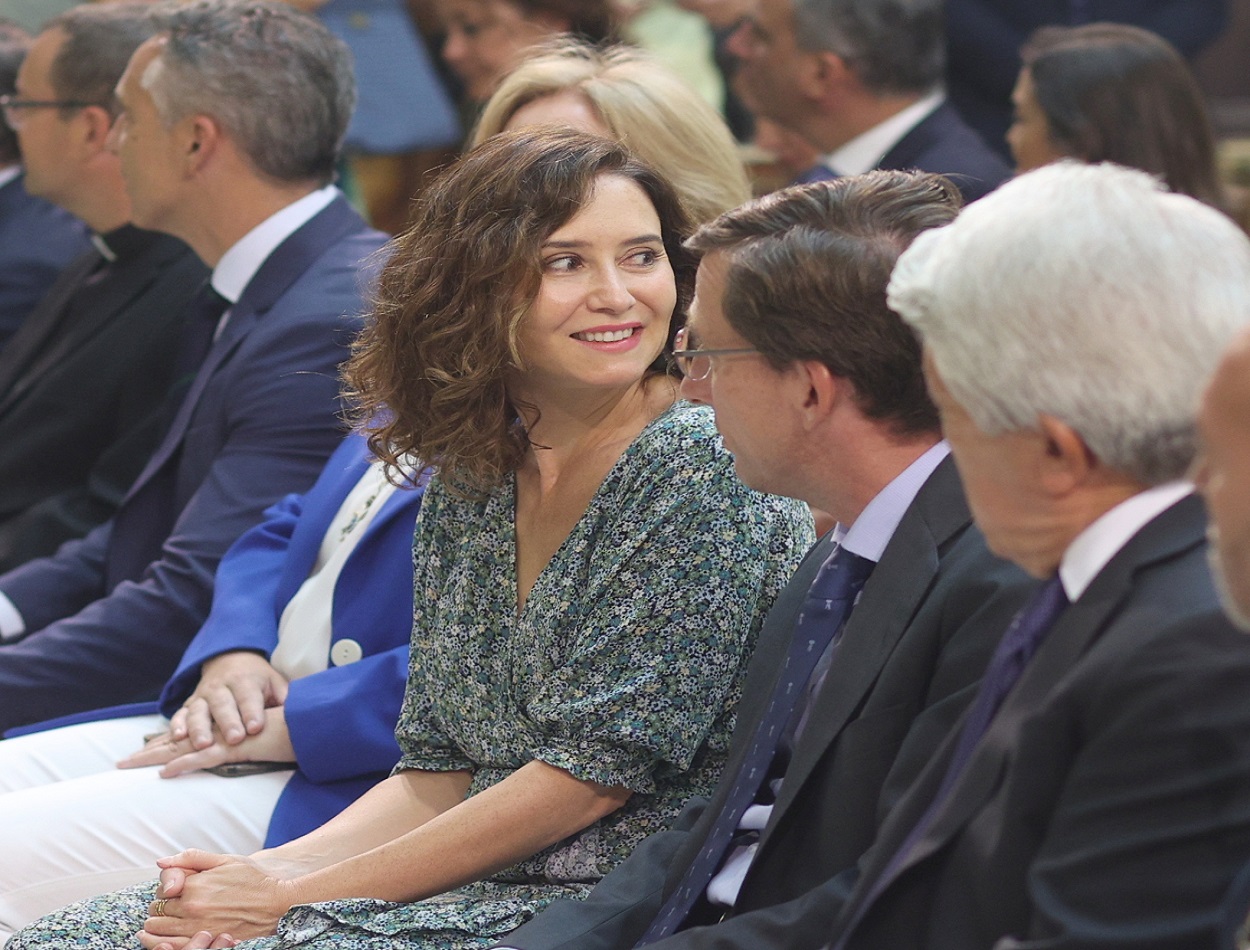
327 574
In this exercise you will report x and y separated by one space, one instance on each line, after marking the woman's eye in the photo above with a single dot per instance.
646 257
562 265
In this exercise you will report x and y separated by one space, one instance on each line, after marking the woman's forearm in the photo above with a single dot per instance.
389 810
533 808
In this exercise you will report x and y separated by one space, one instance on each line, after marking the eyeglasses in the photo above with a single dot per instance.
13 107
696 365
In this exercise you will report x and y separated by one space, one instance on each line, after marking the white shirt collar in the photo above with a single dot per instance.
1092 549
240 263
869 534
864 152
8 174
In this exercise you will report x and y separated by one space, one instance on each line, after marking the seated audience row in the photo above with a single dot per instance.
238 683
910 765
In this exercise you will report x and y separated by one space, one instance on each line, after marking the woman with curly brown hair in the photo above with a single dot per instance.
589 576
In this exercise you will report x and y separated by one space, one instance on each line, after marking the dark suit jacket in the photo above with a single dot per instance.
37 242
111 614
1108 805
911 654
943 143
81 391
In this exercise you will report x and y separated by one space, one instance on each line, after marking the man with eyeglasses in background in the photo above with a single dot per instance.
37 239
83 379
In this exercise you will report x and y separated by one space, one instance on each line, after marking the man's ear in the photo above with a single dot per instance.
97 121
1066 461
199 141
827 76
816 391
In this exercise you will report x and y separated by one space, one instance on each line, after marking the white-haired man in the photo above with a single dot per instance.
1097 794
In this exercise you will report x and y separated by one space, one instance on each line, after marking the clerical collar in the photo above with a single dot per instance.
122 242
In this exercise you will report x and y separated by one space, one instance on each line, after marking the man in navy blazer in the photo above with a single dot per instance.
861 80
37 239
1097 794
229 126
303 658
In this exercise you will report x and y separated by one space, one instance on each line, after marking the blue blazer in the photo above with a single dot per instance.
111 614
341 720
37 241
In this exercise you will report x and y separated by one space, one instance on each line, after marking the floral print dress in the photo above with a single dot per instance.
623 668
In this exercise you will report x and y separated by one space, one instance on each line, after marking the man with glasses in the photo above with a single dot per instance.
818 392
82 380
37 239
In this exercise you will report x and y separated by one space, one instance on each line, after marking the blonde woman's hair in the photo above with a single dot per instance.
648 108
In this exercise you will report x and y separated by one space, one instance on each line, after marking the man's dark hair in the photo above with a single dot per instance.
99 41
807 273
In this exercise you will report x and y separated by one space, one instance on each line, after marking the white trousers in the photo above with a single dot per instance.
72 825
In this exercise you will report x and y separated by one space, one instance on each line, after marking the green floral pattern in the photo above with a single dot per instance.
623 668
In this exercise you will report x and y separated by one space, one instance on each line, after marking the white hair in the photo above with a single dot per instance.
1086 293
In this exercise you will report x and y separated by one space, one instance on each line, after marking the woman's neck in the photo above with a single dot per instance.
577 427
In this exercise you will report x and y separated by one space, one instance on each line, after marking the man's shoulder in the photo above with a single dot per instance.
945 144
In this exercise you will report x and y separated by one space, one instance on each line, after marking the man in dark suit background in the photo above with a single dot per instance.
83 379
1098 792
228 129
861 80
818 393
37 239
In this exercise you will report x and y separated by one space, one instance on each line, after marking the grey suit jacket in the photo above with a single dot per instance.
1108 805
911 654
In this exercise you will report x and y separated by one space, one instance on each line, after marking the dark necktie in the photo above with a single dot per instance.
149 511
203 315
1016 648
828 604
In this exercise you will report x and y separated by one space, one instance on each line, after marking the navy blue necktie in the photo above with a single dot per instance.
828 604
1016 648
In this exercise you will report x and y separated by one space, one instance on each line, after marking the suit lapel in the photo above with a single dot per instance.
132 279
890 599
42 323
1175 531
916 142
315 518
279 271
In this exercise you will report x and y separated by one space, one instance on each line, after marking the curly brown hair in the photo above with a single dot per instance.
428 373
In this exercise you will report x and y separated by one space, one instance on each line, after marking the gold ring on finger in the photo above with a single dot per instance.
158 907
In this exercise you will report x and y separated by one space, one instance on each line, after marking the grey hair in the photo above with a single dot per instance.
278 82
99 41
1087 293
893 46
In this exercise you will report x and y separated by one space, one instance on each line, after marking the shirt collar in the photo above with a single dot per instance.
1092 549
123 242
240 263
869 534
864 152
9 174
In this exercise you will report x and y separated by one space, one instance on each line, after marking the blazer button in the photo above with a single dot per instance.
345 651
